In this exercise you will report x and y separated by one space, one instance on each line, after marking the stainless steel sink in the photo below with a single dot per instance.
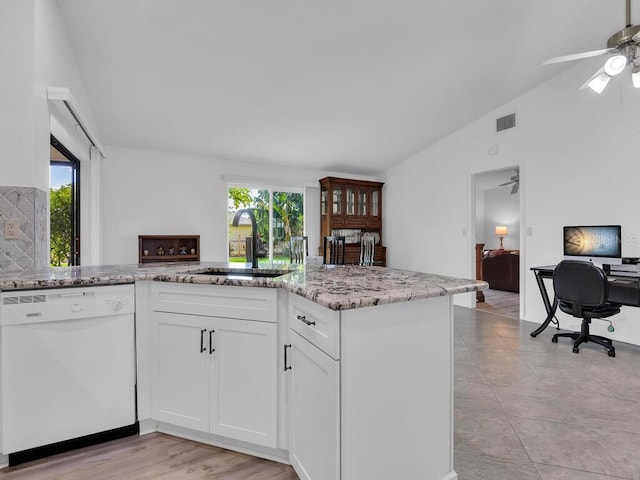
243 275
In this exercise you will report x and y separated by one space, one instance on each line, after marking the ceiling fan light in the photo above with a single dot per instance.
615 65
635 77
599 82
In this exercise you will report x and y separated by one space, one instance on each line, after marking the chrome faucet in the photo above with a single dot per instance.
254 234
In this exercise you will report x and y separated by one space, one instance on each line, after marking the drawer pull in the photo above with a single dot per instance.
211 349
202 349
288 345
303 319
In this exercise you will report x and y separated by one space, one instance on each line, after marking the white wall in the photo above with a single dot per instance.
36 53
577 153
56 67
17 117
147 192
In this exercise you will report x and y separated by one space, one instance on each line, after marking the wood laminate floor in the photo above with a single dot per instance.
155 456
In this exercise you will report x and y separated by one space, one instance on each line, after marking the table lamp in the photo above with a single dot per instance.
501 232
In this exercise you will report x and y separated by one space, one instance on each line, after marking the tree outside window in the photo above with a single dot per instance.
279 216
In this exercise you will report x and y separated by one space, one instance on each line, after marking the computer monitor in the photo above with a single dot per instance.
600 244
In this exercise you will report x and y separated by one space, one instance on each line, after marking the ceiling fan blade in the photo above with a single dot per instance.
514 189
505 184
578 56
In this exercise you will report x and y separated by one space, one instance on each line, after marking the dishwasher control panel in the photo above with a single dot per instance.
47 305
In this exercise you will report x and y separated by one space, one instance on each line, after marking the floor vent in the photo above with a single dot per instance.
506 122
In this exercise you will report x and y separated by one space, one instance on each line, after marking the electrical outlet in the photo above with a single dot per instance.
12 228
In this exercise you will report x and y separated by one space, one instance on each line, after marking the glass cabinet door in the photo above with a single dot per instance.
323 201
362 201
375 203
351 201
337 200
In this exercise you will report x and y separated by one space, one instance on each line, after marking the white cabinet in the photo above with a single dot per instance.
314 411
314 390
244 383
181 395
215 374
371 390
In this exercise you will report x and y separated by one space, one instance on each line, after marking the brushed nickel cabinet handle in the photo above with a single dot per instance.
303 319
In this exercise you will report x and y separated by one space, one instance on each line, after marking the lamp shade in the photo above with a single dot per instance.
501 231
615 65
598 83
635 77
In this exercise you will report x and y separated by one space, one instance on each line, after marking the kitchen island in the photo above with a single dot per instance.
337 288
344 372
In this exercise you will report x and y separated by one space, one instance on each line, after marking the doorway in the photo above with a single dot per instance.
496 222
64 206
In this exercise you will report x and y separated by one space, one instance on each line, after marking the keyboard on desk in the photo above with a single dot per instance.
623 280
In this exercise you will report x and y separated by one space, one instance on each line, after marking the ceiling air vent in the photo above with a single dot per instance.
506 122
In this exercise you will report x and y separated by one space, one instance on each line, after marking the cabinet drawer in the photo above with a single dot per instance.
357 222
319 325
248 303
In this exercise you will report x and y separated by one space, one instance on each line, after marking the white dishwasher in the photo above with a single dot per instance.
68 364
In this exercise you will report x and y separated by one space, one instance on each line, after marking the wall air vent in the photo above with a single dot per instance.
506 122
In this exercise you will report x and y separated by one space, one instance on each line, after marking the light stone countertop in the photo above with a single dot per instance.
337 288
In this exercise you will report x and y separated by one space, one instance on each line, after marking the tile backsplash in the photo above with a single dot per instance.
28 207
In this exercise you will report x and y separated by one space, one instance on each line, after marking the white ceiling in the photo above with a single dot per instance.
348 85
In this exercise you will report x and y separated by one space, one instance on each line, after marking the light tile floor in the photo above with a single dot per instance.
500 302
529 409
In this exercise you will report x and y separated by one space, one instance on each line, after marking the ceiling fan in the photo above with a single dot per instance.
515 180
623 48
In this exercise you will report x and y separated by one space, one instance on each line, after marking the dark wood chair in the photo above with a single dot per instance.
582 291
299 249
333 251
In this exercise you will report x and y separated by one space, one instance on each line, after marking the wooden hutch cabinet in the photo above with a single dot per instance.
352 208
168 248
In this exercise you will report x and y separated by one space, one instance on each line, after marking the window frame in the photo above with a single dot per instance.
271 189
74 163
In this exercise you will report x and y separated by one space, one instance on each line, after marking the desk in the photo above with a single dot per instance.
622 290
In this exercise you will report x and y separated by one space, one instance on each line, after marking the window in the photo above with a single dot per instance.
64 206
279 216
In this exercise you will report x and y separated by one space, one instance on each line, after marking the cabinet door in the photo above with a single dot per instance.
314 415
244 380
181 370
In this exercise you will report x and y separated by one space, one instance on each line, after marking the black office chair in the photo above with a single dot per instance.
333 252
299 249
582 291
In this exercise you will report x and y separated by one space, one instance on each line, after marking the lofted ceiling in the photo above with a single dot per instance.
348 85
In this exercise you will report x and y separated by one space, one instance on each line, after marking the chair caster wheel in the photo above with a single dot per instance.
576 350
611 354
554 339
